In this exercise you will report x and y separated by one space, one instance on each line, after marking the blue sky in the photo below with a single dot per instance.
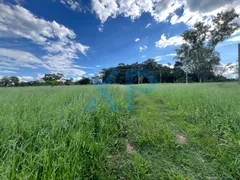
79 38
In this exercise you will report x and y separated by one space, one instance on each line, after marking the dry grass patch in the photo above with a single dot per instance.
129 147
181 139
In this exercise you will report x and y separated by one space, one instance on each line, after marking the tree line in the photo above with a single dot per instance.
151 72
48 79
148 71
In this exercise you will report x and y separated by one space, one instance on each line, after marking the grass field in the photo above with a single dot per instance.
167 131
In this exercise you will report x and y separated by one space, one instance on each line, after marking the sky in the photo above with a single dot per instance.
80 37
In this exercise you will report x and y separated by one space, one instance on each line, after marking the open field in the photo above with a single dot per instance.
167 131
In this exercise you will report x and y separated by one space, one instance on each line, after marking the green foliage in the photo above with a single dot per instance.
47 133
120 74
9 81
52 79
157 73
51 82
186 132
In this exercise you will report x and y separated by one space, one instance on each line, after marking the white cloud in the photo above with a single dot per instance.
204 10
105 9
171 54
172 41
98 66
148 25
143 56
174 19
91 75
169 65
231 72
72 4
142 48
234 39
75 79
208 5
2 66
40 76
158 58
10 58
137 39
25 78
228 70
162 10
19 22
57 40
7 72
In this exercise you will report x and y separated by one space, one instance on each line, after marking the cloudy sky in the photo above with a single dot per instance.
80 37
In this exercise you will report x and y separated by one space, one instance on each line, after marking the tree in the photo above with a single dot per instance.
197 53
5 81
9 81
14 80
52 79
178 73
84 81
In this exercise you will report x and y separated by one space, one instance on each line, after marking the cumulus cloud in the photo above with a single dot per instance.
105 9
72 4
172 41
204 10
137 39
57 40
160 10
163 10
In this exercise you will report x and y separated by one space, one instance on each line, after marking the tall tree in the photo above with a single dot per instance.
5 81
14 80
197 53
9 81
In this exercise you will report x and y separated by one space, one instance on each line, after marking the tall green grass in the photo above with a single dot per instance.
50 133
206 115
210 115
76 132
